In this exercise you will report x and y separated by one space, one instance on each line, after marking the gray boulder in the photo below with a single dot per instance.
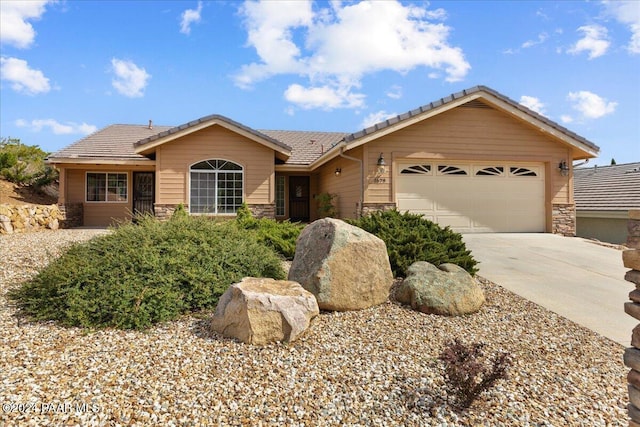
345 267
447 290
260 311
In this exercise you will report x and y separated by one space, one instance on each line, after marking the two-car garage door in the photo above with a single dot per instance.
474 197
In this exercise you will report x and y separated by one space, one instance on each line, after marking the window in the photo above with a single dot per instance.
280 195
519 171
216 187
417 169
491 171
106 187
451 170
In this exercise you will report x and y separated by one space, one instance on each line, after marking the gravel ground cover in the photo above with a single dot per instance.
375 367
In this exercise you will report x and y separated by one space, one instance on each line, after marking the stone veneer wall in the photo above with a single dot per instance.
164 212
21 218
263 211
372 207
564 219
72 215
631 259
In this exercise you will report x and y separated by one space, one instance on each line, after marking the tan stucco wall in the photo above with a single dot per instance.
174 158
346 185
73 190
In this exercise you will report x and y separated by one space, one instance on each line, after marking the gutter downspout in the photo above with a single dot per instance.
359 211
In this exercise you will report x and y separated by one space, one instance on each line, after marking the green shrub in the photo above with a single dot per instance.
326 206
279 235
410 238
24 164
145 273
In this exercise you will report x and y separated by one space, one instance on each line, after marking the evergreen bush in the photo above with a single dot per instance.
410 238
279 235
145 273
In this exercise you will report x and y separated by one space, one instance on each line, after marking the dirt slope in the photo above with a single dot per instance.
13 194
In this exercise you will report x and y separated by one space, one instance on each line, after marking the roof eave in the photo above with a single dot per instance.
100 161
328 155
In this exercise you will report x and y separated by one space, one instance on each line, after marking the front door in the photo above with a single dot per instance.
143 194
299 198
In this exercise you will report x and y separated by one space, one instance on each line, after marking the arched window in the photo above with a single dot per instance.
216 187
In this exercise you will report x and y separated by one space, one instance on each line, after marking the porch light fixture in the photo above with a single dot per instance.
381 165
563 168
338 171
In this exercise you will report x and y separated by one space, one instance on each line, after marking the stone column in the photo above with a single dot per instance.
631 259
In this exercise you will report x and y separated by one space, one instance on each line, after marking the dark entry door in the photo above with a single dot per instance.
299 198
143 192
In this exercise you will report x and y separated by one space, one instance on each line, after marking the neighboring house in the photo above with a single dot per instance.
475 160
604 195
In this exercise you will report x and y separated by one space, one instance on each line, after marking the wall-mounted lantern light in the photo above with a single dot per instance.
382 166
338 171
563 167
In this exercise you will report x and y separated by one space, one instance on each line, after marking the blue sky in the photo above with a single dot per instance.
68 68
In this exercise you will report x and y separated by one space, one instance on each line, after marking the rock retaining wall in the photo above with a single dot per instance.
16 219
631 259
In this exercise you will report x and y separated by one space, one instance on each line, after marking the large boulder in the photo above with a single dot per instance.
447 289
345 267
259 311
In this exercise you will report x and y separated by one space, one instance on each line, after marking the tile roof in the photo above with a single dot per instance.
607 188
462 94
306 146
120 141
112 142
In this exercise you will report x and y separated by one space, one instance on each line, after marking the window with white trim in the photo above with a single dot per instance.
451 170
106 187
491 171
416 169
280 199
216 187
521 171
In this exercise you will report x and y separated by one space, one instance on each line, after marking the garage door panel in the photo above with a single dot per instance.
417 204
508 202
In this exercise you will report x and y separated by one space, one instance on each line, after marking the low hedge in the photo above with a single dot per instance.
146 273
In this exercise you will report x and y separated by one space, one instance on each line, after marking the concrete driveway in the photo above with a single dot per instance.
573 277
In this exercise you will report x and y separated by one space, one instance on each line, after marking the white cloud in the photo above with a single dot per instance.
15 29
566 118
324 97
595 41
130 80
627 13
56 127
533 103
590 105
395 92
330 48
189 17
376 117
22 78
542 37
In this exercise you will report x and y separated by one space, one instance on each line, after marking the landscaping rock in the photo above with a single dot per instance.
447 290
345 267
260 311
